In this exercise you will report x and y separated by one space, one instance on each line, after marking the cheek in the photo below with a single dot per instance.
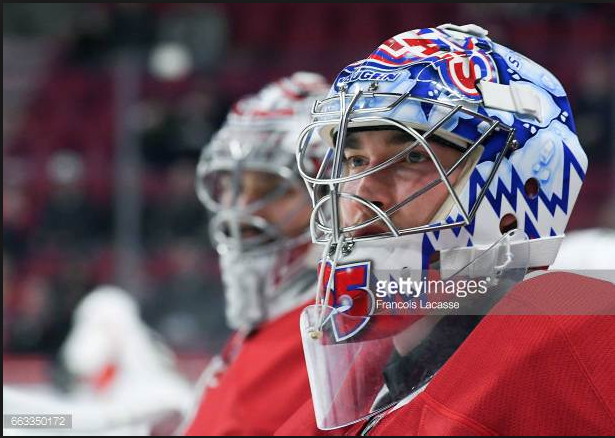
347 205
350 187
291 213
407 183
433 199
455 176
422 209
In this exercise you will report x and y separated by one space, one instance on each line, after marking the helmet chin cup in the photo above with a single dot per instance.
352 336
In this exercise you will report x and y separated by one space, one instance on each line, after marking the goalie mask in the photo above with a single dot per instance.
247 177
450 158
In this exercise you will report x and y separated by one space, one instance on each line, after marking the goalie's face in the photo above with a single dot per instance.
393 184
284 205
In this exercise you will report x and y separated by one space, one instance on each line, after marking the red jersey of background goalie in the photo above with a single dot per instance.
261 387
517 375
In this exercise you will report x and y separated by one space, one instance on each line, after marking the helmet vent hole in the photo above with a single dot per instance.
434 259
531 188
508 223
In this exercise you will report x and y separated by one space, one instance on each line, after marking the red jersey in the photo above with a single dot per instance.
518 374
261 387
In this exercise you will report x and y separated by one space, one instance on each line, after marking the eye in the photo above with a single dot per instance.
415 157
355 161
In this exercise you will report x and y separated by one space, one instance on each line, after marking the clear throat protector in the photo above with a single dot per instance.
374 335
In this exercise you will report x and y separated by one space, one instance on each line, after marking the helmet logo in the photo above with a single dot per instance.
353 301
460 61
368 75
462 72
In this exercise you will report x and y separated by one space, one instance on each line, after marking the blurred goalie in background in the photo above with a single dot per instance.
247 177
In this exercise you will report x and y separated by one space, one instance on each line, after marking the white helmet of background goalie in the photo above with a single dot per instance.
247 176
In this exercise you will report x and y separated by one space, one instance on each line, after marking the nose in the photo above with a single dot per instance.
245 198
246 202
376 188
249 193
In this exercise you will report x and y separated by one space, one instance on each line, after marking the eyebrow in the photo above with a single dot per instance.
351 142
395 137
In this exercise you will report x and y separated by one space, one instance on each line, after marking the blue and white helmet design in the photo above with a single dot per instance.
509 116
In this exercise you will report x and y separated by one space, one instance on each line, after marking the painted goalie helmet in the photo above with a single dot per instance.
248 168
448 156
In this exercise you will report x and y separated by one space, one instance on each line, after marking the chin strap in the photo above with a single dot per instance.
484 261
